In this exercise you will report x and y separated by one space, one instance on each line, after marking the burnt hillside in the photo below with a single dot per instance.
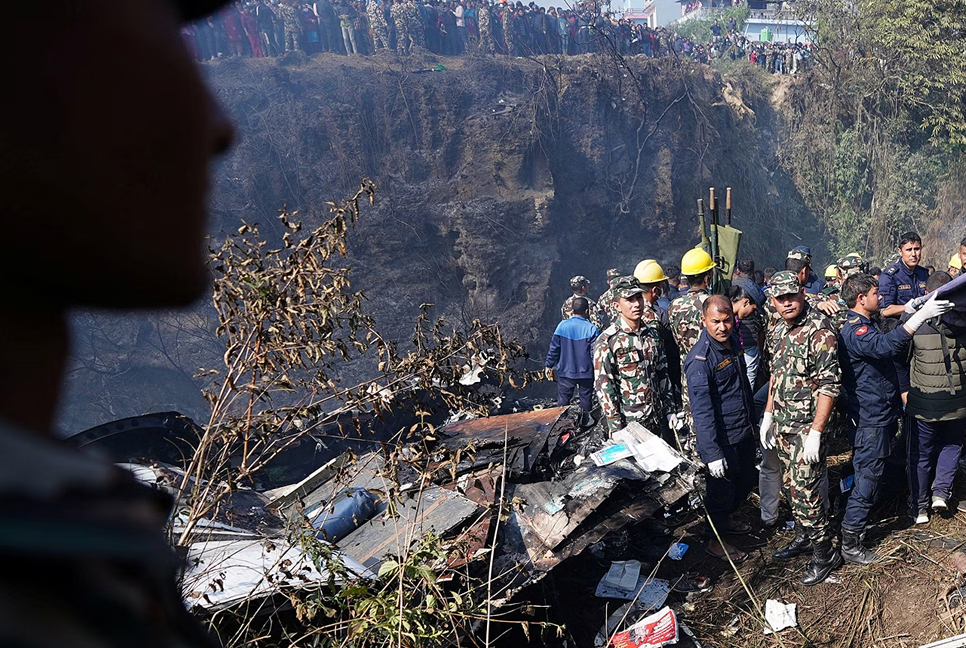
498 179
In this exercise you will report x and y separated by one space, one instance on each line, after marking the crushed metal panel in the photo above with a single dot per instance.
550 511
222 574
284 496
365 472
482 487
526 434
439 510
525 557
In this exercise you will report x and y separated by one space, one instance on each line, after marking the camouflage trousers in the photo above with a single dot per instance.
486 42
804 483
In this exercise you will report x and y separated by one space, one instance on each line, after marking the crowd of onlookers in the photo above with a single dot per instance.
259 28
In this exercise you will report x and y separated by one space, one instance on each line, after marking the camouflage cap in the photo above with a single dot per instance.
578 281
613 273
851 264
783 283
802 252
626 286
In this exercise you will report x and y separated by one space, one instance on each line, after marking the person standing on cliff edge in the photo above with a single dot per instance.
115 165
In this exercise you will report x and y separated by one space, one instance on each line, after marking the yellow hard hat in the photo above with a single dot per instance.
648 271
955 261
832 272
695 262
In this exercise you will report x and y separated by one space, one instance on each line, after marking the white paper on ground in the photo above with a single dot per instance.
779 616
654 592
649 450
622 575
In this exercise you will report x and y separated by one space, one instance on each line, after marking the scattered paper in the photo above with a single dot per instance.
659 629
650 450
623 574
779 616
676 552
653 592
612 453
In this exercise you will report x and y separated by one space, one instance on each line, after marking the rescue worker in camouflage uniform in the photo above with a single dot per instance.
630 370
685 312
605 312
580 285
292 25
651 275
487 44
812 284
805 382
506 16
377 24
851 264
417 30
399 15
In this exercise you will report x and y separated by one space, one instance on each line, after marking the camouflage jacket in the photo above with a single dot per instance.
567 310
685 318
630 374
290 18
804 364
605 311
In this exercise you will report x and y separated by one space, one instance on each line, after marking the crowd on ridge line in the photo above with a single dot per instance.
259 28
775 366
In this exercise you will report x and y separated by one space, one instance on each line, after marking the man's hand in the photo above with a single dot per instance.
829 307
813 447
767 432
932 308
548 372
718 468
675 421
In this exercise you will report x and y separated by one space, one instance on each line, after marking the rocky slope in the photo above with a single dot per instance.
498 179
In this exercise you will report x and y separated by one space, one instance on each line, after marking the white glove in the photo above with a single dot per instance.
767 432
718 468
932 308
675 421
813 447
548 372
913 304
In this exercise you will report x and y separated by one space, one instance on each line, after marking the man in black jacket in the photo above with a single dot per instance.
721 407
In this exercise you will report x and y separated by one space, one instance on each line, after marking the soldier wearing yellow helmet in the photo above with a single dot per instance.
651 276
955 266
685 312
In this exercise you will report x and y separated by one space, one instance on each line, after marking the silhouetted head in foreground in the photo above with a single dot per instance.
104 159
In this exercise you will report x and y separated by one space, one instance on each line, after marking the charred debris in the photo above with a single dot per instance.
512 495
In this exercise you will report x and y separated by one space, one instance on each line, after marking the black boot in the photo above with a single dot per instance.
799 546
825 558
853 551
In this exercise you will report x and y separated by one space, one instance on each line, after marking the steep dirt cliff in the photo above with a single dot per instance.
498 179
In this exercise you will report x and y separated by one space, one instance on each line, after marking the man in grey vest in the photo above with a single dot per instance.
937 403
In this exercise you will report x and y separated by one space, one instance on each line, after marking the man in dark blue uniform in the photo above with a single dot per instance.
721 407
871 386
904 280
813 284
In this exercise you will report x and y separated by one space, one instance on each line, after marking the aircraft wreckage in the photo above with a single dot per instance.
556 501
